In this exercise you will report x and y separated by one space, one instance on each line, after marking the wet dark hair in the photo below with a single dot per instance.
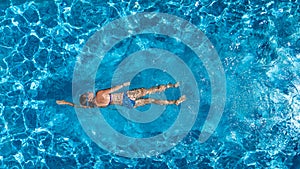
82 99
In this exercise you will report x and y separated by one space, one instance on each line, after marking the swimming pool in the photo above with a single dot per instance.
258 45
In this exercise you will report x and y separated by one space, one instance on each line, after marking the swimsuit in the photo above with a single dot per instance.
127 102
109 99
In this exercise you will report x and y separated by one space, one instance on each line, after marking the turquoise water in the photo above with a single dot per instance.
258 44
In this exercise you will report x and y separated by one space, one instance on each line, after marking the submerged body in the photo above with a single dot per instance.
130 99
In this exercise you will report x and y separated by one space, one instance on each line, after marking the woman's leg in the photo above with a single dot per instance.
142 102
138 93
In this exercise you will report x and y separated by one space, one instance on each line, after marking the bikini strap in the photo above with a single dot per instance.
109 98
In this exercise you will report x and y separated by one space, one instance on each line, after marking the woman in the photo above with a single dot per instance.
131 99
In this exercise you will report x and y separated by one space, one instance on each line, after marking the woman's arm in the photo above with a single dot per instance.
62 102
116 88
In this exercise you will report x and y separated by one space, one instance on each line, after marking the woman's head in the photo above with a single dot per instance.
87 99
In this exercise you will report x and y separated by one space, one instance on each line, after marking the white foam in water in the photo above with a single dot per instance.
19 157
15 22
34 85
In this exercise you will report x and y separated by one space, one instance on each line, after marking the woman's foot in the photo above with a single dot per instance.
172 85
177 84
180 100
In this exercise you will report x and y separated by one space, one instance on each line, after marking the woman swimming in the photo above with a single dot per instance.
131 98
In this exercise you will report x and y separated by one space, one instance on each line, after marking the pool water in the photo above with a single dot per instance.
258 43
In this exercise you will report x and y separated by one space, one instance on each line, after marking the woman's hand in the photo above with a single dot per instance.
62 102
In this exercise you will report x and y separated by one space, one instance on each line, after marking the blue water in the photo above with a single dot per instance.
258 43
